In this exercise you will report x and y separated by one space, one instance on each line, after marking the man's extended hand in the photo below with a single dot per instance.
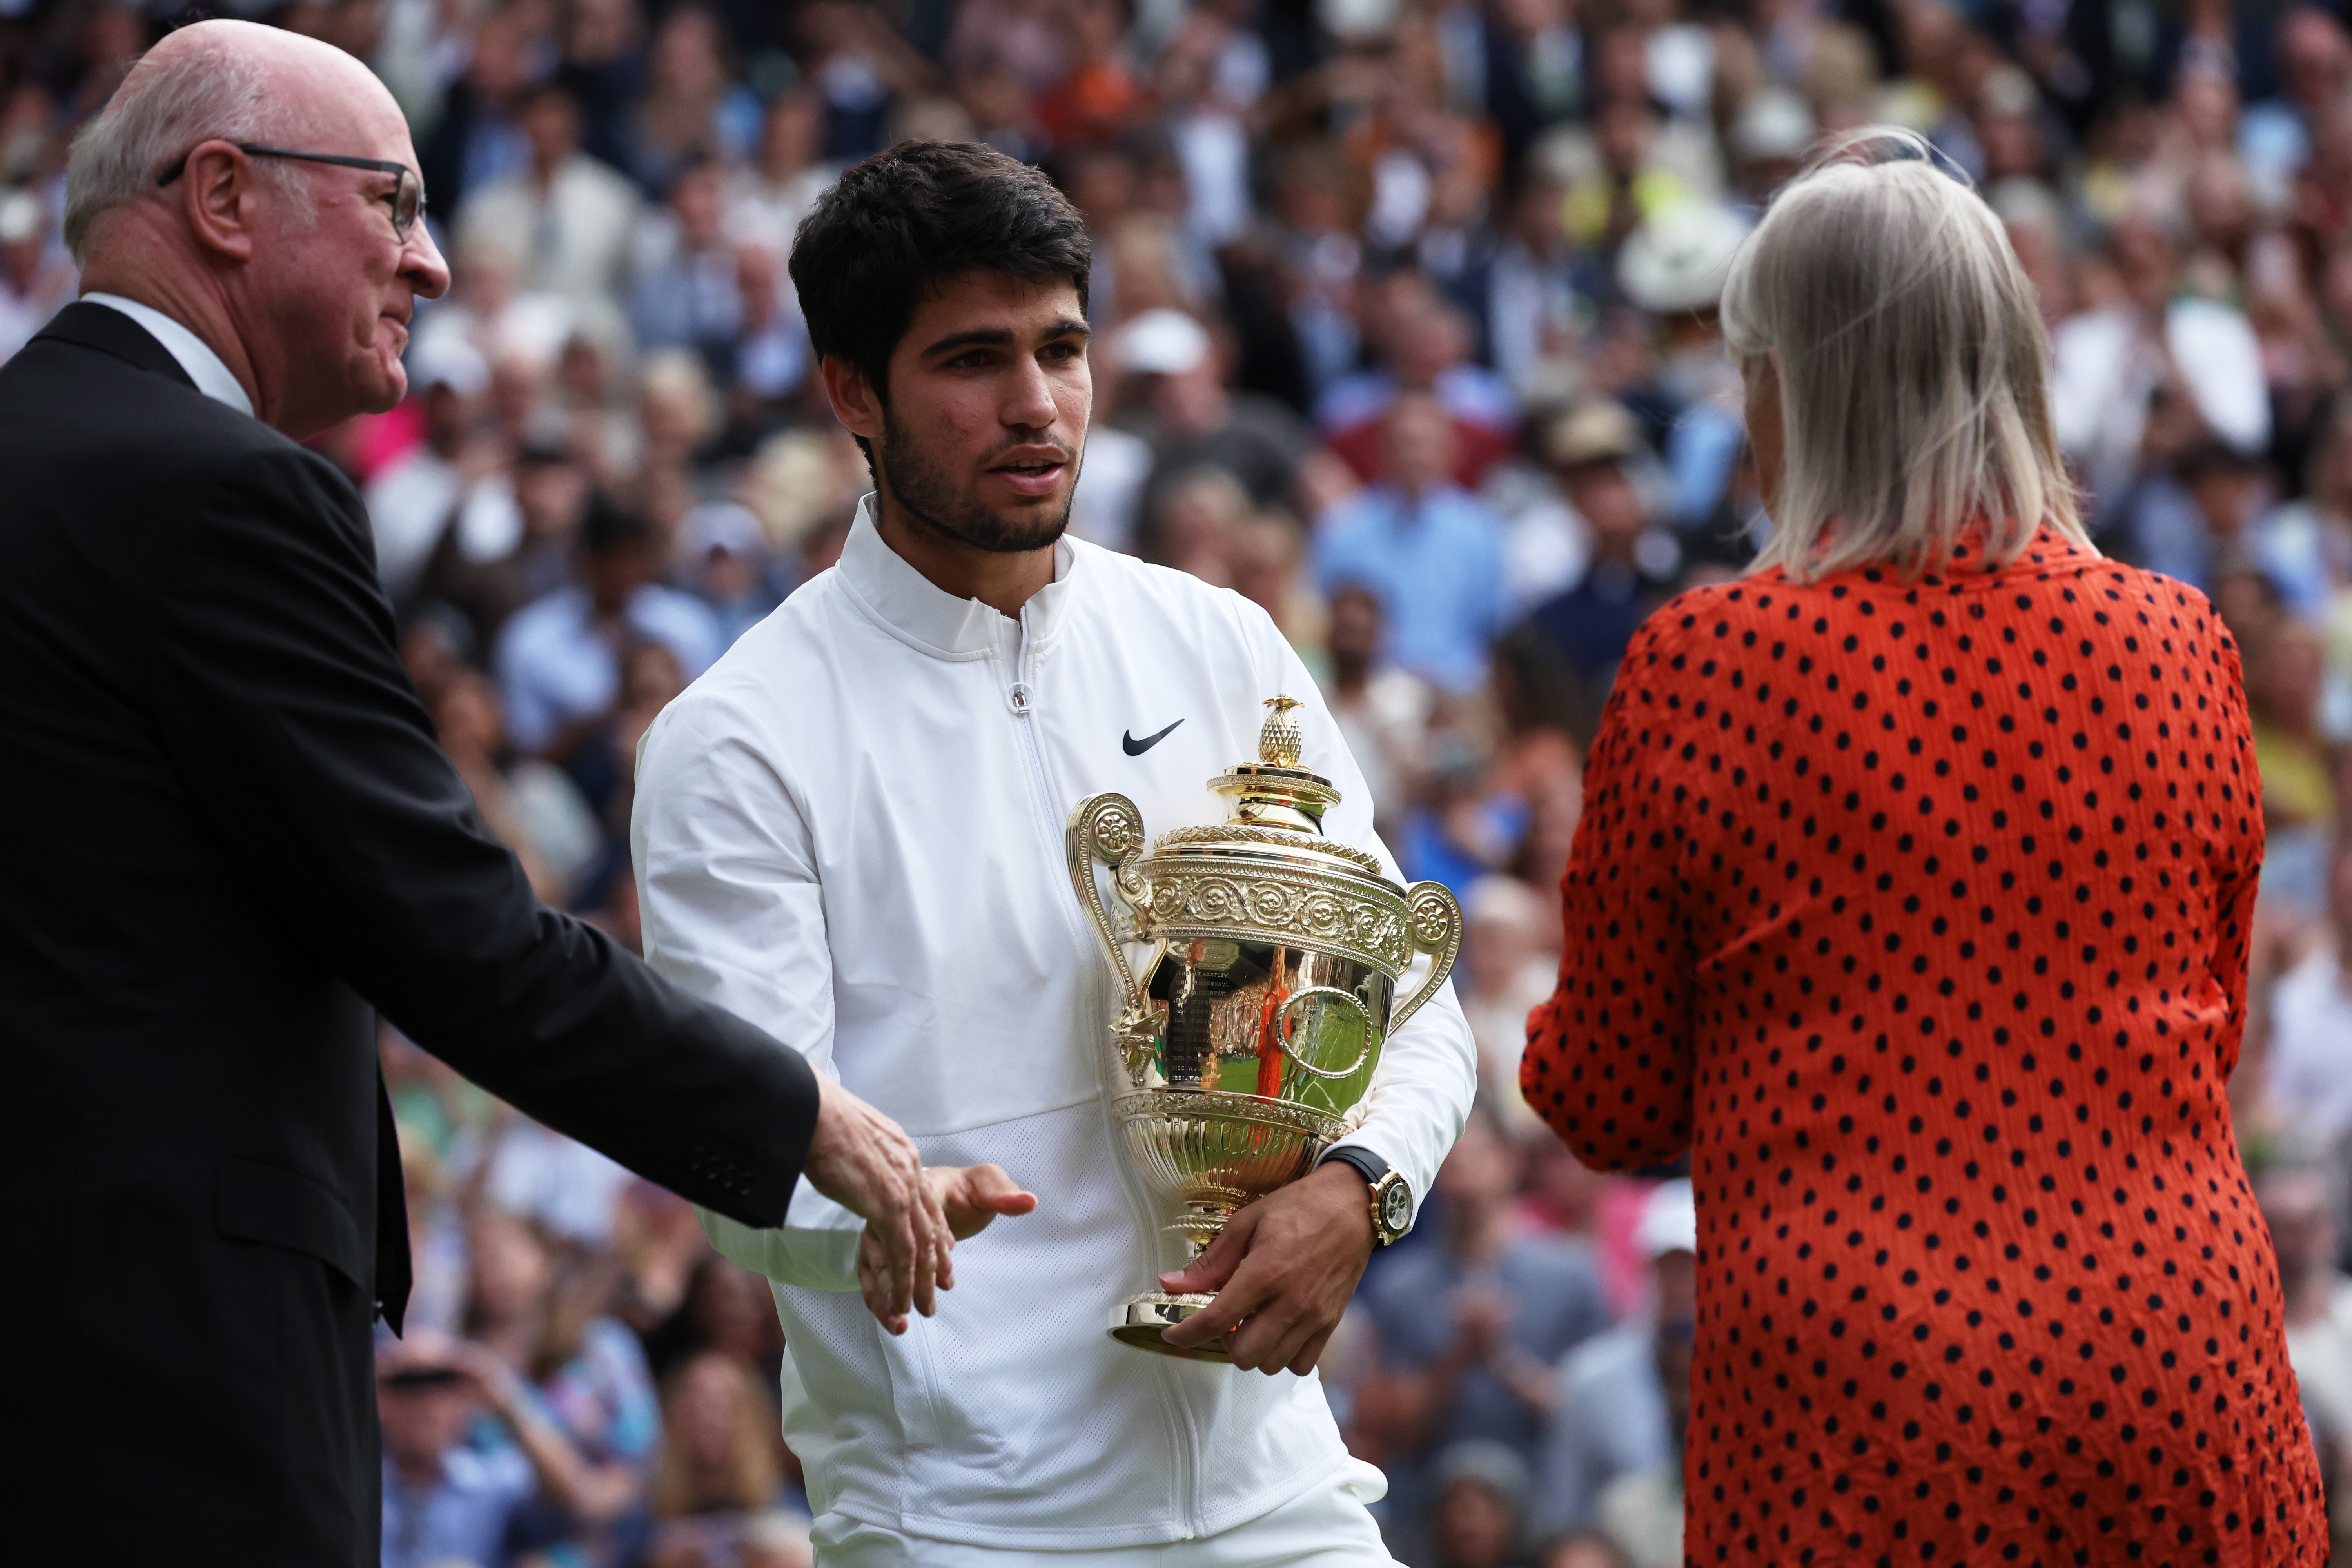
968 1196
866 1162
1283 1269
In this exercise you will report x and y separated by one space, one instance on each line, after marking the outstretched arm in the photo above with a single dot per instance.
278 692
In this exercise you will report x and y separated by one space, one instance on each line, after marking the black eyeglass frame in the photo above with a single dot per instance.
339 160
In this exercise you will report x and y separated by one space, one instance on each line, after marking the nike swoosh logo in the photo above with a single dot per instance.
1136 748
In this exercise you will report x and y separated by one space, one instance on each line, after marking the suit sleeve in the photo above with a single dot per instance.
1610 1057
734 914
1428 1071
279 695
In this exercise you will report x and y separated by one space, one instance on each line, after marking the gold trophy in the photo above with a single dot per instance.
1249 1034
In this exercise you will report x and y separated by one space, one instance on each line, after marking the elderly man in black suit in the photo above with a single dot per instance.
233 843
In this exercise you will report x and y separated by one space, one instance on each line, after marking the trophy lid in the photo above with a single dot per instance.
1275 791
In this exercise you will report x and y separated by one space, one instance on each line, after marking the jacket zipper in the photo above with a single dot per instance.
1020 697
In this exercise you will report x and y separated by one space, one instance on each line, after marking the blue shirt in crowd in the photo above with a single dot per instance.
1435 562
554 666
462 1517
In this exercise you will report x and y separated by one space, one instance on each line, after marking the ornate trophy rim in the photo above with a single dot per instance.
1160 1104
1212 836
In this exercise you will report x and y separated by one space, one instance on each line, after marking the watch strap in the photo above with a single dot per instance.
1363 1161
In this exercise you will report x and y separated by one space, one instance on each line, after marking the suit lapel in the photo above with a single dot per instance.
110 331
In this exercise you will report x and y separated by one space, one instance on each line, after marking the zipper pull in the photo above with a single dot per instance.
1021 697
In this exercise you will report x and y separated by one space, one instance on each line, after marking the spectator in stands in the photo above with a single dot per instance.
694 109
443 1502
1506 969
1632 566
1432 550
569 218
36 277
559 660
530 807
688 291
453 483
1425 344
568 1384
2302 1200
1612 1411
1582 1549
1382 710
1481 1497
1175 379
2308 1083
1471 1327
718 1493
767 199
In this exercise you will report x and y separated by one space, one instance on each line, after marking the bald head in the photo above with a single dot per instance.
239 82
249 183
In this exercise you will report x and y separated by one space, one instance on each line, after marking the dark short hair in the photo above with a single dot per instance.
609 527
910 219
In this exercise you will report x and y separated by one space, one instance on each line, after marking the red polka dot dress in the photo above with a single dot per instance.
1917 911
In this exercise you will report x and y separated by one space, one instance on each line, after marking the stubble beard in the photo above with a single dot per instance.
927 496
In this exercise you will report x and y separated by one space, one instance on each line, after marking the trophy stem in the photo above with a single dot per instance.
1139 1319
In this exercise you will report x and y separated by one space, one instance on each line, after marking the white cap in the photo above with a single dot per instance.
1669 1220
1773 123
1160 342
1498 900
1677 258
445 359
1357 21
720 525
22 216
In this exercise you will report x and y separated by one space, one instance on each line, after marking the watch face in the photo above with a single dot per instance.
1396 1208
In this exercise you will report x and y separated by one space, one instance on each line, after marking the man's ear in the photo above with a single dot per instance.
215 196
853 399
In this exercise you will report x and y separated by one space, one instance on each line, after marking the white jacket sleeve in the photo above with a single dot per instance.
733 914
1428 1075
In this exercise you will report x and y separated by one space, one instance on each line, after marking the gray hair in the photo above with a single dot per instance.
1911 364
159 114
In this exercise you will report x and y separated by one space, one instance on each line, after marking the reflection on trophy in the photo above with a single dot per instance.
1249 1034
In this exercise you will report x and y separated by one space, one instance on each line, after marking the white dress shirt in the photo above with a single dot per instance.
850 833
195 355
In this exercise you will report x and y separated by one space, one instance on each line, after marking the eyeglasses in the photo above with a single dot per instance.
407 200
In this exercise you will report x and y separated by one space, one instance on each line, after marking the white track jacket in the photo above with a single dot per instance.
850 833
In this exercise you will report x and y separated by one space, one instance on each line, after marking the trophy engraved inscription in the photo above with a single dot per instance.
1249 1034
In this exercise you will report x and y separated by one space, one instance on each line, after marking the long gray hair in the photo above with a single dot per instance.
1912 365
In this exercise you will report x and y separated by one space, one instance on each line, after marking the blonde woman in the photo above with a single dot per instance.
1911 896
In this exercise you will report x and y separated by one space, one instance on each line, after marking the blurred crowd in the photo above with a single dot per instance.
1405 330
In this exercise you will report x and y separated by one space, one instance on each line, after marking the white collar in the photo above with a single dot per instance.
195 355
927 614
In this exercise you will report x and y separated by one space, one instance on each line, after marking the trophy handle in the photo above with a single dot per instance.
1434 921
1109 829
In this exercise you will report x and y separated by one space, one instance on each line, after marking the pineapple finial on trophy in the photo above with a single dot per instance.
1281 744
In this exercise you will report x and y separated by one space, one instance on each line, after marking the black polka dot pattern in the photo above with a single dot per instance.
1918 911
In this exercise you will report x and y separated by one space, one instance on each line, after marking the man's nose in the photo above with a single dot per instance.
1029 402
422 263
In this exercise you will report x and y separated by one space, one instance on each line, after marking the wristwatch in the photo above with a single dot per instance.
1392 1194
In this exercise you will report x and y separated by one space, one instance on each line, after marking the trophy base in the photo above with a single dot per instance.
1137 1321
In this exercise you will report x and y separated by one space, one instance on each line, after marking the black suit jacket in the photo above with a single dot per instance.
230 841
